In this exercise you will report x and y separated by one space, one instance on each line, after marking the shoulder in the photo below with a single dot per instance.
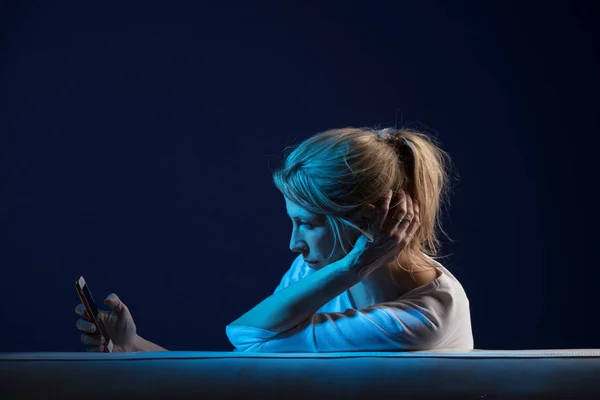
444 295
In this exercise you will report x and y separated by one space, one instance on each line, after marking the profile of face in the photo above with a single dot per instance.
312 237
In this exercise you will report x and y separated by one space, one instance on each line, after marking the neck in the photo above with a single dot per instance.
380 282
378 287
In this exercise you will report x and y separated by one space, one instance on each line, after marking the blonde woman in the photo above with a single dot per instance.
365 206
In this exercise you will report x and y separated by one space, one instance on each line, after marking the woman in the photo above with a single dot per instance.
364 205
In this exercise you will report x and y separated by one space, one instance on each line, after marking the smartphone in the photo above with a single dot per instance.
91 311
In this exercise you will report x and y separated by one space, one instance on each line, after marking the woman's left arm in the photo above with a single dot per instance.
298 302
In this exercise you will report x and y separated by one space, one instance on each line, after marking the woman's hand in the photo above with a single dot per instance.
392 230
119 325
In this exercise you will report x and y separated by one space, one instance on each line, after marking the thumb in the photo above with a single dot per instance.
113 301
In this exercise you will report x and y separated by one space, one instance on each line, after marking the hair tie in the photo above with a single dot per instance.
395 140
399 143
409 144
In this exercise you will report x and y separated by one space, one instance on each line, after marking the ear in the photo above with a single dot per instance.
365 215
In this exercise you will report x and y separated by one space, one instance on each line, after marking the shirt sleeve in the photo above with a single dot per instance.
297 271
408 324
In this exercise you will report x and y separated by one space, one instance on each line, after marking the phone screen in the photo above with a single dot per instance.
91 309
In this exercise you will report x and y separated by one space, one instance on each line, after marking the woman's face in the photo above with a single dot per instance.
312 237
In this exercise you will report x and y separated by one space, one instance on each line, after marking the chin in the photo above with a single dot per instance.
316 266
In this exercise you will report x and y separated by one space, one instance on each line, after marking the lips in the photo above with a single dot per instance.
310 262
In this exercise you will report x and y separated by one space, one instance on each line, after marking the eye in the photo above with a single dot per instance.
307 225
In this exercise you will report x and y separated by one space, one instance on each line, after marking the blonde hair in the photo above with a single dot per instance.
335 172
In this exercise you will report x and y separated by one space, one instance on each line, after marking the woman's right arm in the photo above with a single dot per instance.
119 325
142 344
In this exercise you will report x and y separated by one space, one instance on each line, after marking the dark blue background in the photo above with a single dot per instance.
137 141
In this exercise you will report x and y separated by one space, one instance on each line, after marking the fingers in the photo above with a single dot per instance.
90 337
402 220
85 326
410 211
116 304
414 225
398 212
94 343
92 340
407 228
112 301
80 310
96 348
382 215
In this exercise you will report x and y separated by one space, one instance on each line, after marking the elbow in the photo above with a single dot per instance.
247 347
246 339
254 348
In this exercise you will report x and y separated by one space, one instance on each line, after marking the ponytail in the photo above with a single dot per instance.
425 168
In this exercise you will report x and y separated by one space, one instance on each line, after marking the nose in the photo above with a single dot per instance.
297 245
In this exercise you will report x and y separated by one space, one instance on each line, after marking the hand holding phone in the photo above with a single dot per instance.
116 326
90 312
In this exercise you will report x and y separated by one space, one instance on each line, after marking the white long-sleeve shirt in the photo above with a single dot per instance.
431 317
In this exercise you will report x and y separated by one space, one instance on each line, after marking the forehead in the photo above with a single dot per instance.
295 211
